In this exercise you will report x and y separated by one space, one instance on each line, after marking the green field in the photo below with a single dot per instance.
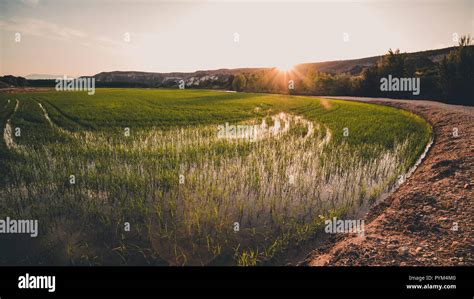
181 187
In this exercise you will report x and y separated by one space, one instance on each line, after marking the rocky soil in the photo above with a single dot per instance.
429 219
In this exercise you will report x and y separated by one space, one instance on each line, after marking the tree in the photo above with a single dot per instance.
392 63
14 81
370 83
456 73
239 83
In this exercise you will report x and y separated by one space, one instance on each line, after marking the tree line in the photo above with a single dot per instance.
451 79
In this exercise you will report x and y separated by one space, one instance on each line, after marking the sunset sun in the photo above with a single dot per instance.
285 67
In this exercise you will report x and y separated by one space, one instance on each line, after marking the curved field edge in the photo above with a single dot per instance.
417 219
114 109
371 128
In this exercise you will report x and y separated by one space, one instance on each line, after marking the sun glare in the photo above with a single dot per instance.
285 67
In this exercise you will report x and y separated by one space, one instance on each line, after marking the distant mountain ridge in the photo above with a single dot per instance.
223 77
355 66
44 77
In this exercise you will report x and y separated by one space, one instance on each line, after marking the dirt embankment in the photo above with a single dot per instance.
429 219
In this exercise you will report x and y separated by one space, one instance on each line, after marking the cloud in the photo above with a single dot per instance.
40 28
108 42
30 2
53 31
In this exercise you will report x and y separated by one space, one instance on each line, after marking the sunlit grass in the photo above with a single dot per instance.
279 189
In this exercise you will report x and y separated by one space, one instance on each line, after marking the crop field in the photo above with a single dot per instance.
190 177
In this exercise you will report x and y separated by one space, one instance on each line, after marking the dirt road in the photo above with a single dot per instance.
429 219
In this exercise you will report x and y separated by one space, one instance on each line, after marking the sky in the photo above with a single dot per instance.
67 37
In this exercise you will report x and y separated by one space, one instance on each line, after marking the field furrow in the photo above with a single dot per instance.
200 177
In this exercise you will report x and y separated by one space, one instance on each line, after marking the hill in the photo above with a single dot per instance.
222 78
442 75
